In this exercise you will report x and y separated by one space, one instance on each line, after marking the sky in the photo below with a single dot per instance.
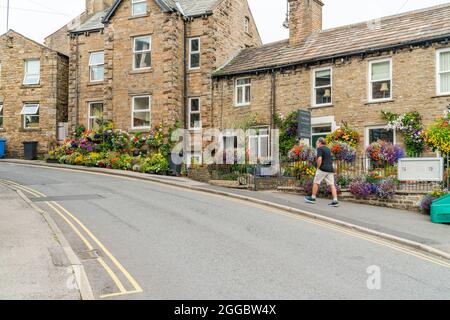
38 18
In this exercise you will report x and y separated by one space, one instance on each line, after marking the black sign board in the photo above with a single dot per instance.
304 124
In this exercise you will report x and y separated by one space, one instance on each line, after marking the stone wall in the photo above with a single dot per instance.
414 88
50 93
402 199
222 35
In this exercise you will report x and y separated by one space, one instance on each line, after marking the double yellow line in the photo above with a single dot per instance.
75 224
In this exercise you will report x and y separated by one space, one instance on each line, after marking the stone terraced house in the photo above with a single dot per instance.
141 63
399 63
33 93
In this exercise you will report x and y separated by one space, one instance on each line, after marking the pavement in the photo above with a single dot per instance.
34 265
145 239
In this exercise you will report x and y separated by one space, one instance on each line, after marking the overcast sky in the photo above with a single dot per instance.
39 18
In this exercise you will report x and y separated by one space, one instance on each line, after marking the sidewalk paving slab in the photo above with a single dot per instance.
33 265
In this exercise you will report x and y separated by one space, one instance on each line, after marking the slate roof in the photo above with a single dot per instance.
190 8
93 23
416 26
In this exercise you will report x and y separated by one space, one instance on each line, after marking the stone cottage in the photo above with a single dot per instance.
399 63
33 93
141 63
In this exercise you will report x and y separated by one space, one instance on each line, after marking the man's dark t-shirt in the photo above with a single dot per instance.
327 159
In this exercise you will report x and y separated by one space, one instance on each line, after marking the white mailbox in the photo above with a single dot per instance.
421 169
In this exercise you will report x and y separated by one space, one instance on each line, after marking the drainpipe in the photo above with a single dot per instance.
273 105
77 83
185 66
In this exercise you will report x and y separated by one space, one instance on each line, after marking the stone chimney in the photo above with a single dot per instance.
94 6
305 18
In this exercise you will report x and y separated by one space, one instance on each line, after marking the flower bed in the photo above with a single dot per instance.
116 149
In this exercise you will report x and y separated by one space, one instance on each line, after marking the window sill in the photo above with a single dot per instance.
145 15
96 83
237 106
144 130
194 71
30 86
445 95
379 102
142 71
320 106
30 130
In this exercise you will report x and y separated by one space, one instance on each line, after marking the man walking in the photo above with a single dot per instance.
325 171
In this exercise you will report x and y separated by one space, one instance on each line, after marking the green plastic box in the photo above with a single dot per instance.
440 210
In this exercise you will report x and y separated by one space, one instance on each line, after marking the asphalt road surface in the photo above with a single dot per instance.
142 240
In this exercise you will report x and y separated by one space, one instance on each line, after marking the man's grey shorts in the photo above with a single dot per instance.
327 176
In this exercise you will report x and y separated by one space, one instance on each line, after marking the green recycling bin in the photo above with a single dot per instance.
440 210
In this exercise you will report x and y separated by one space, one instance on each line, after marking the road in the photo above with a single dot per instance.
143 240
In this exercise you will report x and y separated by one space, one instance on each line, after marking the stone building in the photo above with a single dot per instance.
348 74
141 63
33 93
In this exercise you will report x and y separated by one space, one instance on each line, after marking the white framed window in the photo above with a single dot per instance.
194 53
243 92
32 72
320 131
322 87
95 112
97 66
247 24
142 53
138 7
377 133
195 117
141 112
380 80
259 144
30 115
443 71
1 115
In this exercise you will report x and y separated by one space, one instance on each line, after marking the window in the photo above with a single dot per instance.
322 87
142 53
97 66
380 86
1 115
259 144
32 72
247 24
194 53
195 120
138 7
141 117
30 115
320 131
95 113
375 134
243 92
443 71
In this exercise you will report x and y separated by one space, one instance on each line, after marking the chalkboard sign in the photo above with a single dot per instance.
304 124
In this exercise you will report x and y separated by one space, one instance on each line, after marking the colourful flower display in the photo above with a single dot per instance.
344 134
383 153
437 136
343 152
302 152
